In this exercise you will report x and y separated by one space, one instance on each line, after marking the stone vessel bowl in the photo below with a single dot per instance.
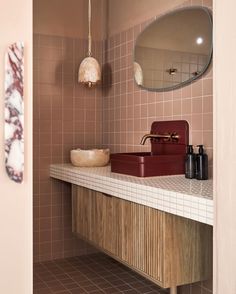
90 158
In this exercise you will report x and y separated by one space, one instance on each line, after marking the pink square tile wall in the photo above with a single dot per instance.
61 108
129 110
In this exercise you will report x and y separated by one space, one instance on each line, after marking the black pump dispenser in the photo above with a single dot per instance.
201 164
190 160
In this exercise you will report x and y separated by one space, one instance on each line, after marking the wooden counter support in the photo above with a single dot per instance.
173 290
168 249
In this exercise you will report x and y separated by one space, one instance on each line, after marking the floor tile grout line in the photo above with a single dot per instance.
92 268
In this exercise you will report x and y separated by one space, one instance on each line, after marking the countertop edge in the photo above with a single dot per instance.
189 206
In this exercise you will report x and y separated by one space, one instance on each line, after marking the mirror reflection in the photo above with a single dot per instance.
174 50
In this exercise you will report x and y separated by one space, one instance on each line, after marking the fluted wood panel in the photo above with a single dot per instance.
187 247
82 204
153 243
141 238
96 227
138 236
116 235
108 223
168 249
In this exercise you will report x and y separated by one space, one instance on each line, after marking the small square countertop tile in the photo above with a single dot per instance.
192 199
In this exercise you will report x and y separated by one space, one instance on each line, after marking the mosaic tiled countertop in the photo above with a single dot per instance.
192 199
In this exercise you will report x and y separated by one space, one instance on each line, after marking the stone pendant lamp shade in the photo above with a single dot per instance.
89 70
138 73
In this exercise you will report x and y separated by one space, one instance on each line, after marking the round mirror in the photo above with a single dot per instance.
174 50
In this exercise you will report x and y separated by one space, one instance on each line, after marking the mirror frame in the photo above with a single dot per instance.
194 78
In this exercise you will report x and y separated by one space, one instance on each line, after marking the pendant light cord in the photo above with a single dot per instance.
89 26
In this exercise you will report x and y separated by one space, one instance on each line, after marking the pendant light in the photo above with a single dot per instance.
138 73
89 70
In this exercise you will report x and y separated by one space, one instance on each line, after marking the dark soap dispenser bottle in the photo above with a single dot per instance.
201 164
190 160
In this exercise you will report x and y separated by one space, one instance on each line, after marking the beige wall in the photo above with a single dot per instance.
119 12
225 141
16 199
67 18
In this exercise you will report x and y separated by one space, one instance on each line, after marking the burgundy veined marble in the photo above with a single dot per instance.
14 111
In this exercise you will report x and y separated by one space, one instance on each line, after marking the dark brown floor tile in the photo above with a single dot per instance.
93 274
57 288
71 286
84 283
129 279
104 284
40 285
205 291
117 282
66 281
123 287
62 276
43 291
97 280
91 288
207 285
158 292
145 289
111 290
77 291
62 292
48 278
136 284
52 283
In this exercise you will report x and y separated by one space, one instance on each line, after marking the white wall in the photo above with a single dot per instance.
15 199
225 147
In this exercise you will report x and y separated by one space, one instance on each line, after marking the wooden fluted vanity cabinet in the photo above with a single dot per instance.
168 249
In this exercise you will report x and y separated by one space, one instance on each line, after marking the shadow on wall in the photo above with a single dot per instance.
107 80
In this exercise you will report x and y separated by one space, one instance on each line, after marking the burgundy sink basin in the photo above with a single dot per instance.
146 164
167 157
